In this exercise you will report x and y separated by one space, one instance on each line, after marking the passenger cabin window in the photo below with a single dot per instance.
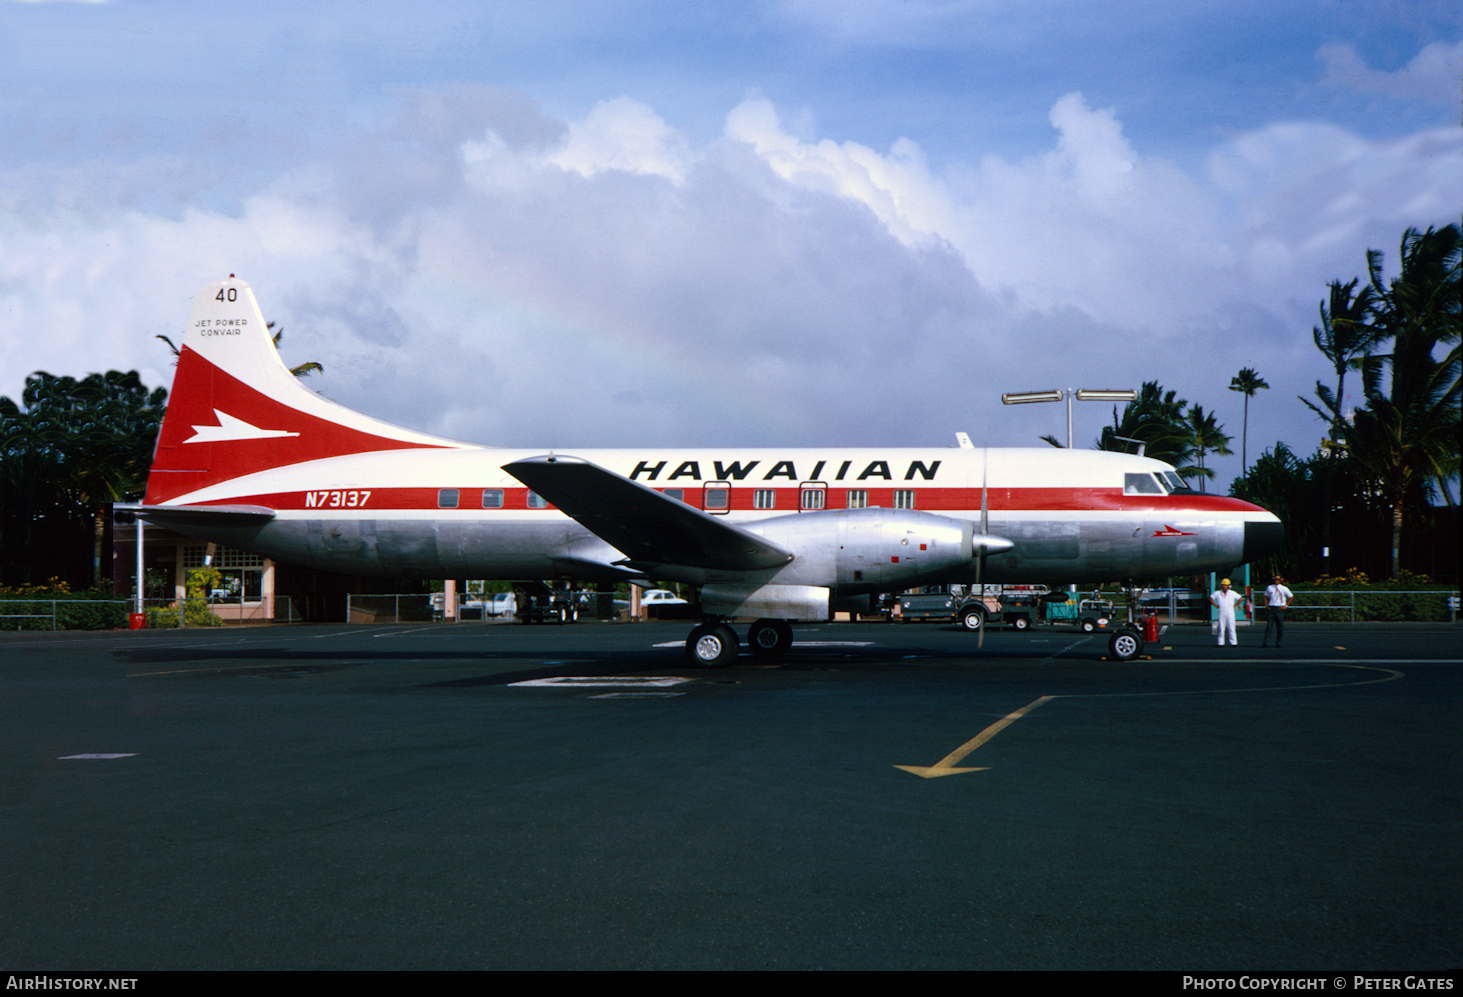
904 498
858 498
718 499
492 498
679 494
1141 484
812 498
536 501
764 498
446 498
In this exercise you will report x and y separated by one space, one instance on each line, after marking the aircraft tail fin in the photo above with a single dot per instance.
235 408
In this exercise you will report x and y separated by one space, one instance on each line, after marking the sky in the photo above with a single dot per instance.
753 222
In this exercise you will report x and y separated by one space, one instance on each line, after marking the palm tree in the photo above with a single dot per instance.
1156 417
1408 435
1247 382
1345 336
1207 436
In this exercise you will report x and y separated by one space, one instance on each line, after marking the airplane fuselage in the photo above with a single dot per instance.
248 457
457 513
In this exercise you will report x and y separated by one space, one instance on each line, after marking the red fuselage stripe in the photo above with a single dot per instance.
785 500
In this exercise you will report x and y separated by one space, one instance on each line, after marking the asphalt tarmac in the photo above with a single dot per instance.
340 797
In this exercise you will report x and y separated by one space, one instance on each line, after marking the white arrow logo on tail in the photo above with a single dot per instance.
229 428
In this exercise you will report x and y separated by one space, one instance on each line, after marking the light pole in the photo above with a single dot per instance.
1057 394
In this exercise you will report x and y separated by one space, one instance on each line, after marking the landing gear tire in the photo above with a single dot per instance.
1022 623
972 620
712 645
770 638
1125 645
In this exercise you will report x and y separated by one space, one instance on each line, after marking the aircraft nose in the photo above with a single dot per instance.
1262 538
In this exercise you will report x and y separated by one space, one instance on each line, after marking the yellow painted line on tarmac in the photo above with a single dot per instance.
946 765
949 764
221 668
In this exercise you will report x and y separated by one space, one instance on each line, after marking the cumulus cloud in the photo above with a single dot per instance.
1434 74
476 269
897 188
624 134
1069 228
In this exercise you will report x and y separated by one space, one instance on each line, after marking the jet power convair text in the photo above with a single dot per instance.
249 457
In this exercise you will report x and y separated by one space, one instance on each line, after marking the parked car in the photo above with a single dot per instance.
500 604
661 597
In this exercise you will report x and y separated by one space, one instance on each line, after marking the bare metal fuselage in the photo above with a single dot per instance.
380 514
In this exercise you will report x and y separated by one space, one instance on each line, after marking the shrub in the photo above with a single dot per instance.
38 605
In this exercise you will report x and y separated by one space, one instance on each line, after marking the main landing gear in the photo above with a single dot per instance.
714 644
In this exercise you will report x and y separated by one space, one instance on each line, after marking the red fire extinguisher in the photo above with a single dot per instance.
1150 628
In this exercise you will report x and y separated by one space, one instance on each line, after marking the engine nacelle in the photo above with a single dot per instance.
776 602
870 550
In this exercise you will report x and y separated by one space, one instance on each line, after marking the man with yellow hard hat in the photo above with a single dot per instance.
1226 598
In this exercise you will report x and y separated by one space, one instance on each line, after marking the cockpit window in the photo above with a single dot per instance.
1175 483
1142 484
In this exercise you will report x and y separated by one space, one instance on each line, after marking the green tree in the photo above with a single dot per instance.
1345 337
1157 419
1407 434
1206 436
70 448
1289 487
1247 382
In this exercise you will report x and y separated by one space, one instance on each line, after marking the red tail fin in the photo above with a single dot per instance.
236 409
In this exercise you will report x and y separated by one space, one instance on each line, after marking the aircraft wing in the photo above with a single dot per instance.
647 526
198 516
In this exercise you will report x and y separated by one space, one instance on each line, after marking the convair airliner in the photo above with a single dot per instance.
249 457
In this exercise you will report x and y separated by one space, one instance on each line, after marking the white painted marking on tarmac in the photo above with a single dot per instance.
64 758
796 643
603 681
637 695
1358 662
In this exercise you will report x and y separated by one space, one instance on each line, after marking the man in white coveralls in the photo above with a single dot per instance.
1226 599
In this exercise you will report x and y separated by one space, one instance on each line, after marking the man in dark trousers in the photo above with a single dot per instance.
1277 597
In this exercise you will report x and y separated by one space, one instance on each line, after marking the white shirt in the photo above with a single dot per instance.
1226 601
1278 595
